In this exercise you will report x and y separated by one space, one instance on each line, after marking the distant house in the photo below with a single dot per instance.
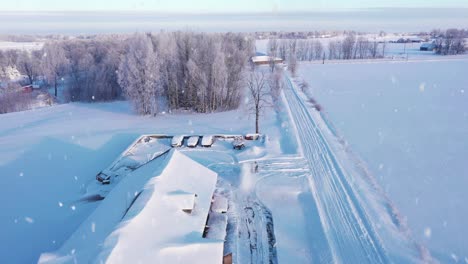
265 60
27 89
427 47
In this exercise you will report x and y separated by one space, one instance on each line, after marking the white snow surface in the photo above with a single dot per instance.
49 156
409 122
26 46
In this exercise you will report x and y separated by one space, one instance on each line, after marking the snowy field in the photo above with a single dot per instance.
49 155
409 122
28 46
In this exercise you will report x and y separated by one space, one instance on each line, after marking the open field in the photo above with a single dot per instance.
408 121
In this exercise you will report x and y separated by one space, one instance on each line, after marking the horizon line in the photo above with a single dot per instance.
219 12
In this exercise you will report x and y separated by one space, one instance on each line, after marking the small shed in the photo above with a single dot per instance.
427 47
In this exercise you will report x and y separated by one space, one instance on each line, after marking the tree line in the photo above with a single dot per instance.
450 42
350 47
197 71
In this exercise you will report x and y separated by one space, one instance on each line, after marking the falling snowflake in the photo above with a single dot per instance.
29 219
60 204
93 227
427 232
21 174
73 207
422 87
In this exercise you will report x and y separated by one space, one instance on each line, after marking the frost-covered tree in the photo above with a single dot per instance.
347 46
139 75
292 57
275 82
28 65
283 49
318 50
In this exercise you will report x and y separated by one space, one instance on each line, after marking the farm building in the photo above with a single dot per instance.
264 60
427 47
173 207
174 218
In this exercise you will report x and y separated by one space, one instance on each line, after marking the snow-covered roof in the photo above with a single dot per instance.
157 230
220 204
427 45
207 140
154 229
193 141
258 59
140 153
177 140
183 200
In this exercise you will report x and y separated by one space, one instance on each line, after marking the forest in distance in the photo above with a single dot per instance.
165 71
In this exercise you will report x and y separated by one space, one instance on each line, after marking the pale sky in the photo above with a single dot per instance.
215 6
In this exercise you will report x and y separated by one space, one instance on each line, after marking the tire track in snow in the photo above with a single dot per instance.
350 234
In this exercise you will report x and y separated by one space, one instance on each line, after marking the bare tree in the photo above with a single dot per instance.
332 48
373 49
384 45
292 57
54 64
275 82
258 94
283 49
272 52
347 46
318 49
28 66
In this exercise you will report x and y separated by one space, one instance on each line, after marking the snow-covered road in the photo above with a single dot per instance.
350 234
